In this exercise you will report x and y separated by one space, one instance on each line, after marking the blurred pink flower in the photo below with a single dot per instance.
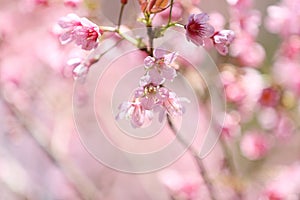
159 68
231 125
284 18
84 32
181 186
284 128
268 118
287 72
240 4
269 97
217 20
72 3
290 48
249 52
222 39
246 22
197 29
285 186
254 145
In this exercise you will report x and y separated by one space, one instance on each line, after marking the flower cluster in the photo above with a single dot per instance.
152 95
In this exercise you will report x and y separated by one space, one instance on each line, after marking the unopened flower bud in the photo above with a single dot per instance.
123 1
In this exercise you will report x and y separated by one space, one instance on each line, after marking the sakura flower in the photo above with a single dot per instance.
181 186
270 97
254 145
222 40
149 96
197 29
134 112
80 68
80 30
159 68
148 99
170 103
285 185
231 125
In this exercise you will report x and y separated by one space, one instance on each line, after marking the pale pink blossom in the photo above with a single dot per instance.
148 96
231 125
285 127
287 72
217 20
160 99
240 4
80 30
148 99
80 68
222 39
159 68
284 18
290 48
197 29
268 118
247 22
170 103
253 55
285 185
181 186
134 112
254 145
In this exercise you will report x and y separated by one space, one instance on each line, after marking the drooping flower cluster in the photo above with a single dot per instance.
199 31
80 30
152 96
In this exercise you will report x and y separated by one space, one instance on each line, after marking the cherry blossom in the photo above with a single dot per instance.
222 40
197 29
285 185
269 97
254 145
170 103
80 30
182 186
79 68
134 112
148 99
159 67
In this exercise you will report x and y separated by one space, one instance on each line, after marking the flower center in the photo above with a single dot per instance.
150 89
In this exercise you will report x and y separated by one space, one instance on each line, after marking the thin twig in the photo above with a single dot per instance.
230 166
170 13
198 160
120 16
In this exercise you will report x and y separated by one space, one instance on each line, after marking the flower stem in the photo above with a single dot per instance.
200 165
136 42
170 13
120 16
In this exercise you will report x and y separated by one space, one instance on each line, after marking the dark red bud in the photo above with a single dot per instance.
123 1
